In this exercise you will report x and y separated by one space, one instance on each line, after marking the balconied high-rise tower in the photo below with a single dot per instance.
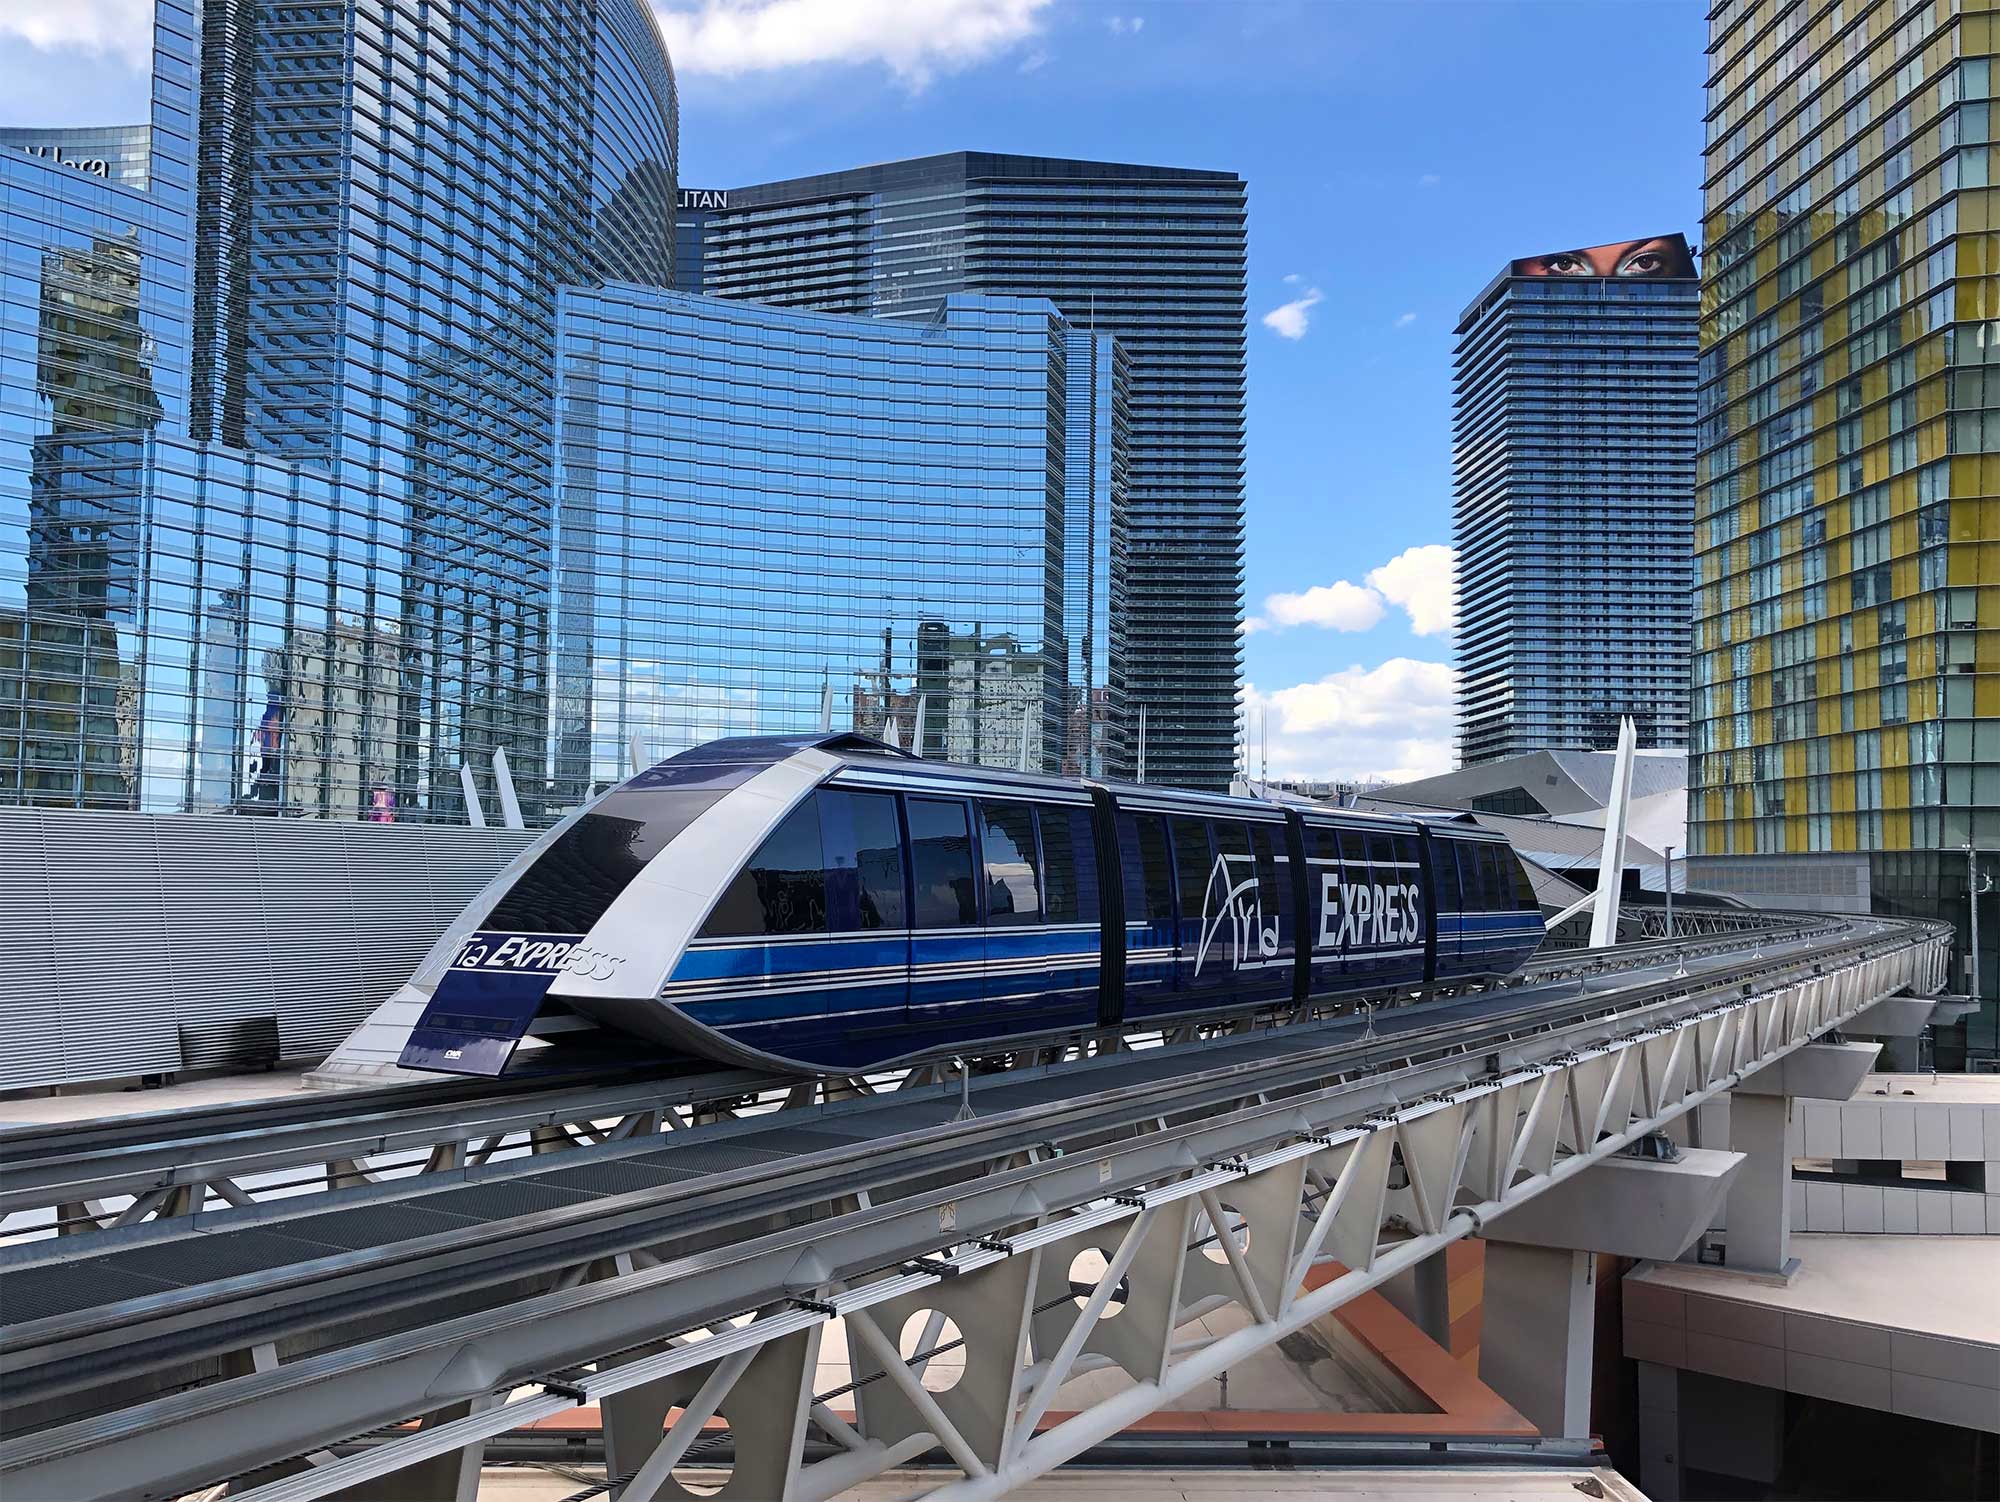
1151 255
1846 711
1574 446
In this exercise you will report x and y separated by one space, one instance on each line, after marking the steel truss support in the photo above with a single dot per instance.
968 1350
181 1180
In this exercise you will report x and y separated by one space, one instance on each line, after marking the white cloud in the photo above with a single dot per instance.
117 28
1424 581
1339 606
1404 320
1429 180
1125 25
1291 319
733 37
1391 723
1291 279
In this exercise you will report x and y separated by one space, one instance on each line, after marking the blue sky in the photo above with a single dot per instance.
1397 156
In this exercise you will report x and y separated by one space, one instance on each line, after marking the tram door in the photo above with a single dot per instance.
1203 962
1020 985
947 939
1146 862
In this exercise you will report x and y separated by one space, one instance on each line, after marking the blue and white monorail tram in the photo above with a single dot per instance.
827 904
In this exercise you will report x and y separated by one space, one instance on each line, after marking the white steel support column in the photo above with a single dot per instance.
1611 859
1535 1343
1760 1201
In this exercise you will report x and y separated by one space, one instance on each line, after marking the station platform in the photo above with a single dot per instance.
98 1102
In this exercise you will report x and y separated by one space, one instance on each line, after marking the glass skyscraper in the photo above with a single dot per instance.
1151 255
1846 735
377 443
1573 446
765 514
279 474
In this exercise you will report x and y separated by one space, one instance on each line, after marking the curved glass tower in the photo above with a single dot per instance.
316 512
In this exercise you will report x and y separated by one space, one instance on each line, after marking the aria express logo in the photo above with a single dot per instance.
537 954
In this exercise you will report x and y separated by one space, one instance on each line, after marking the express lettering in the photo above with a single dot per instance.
513 952
1361 915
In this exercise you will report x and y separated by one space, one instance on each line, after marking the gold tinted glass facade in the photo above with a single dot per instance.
1846 688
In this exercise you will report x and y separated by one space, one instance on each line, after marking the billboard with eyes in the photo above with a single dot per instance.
1661 257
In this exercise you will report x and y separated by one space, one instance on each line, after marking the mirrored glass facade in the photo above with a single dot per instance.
1573 454
278 432
768 517
1847 627
1152 255
95 292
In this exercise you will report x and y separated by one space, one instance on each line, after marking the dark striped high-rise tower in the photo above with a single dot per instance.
1573 445
1151 255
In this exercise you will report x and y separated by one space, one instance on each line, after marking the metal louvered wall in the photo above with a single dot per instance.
140 943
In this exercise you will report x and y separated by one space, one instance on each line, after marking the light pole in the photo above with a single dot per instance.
1973 890
1670 891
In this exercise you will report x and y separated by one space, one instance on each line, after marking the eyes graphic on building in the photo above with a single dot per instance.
1659 256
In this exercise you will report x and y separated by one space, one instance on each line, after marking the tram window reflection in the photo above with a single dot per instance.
1059 865
1149 888
878 848
1013 886
1192 861
941 865
783 888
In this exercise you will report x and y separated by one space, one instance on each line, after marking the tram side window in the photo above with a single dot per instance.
782 890
878 849
1449 876
1525 900
1192 863
1267 843
1069 865
941 865
1493 896
1013 885
1232 842
1149 888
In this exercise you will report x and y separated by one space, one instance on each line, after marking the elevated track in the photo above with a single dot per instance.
689 1253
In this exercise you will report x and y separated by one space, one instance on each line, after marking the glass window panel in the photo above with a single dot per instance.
1060 874
941 865
878 848
572 882
1192 861
1149 892
1013 884
783 888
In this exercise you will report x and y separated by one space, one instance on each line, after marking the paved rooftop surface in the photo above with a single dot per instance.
1954 1089
1931 1285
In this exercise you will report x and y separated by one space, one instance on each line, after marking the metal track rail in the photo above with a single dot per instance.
294 1343
168 1165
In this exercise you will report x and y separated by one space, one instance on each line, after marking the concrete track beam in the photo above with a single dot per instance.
1893 1017
1632 1207
1819 1071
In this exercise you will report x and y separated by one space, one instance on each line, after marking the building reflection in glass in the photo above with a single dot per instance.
762 512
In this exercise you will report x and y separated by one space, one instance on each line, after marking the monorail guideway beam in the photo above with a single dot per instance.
157 1168
1291 1185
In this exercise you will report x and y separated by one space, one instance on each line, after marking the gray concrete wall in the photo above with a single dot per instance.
148 943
